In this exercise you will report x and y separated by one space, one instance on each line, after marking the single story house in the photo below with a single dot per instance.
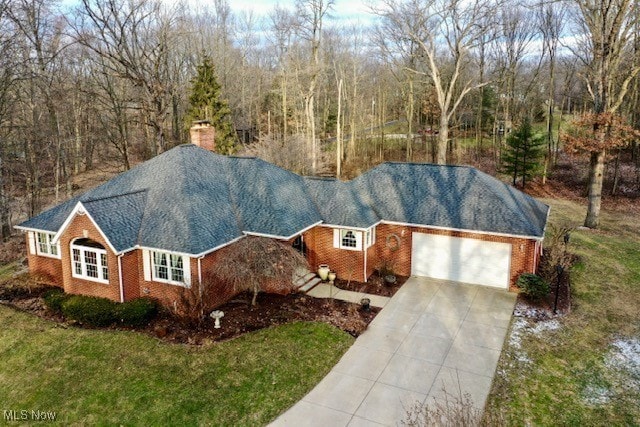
157 228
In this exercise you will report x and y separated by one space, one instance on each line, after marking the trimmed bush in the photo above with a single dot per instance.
54 298
533 286
137 312
91 311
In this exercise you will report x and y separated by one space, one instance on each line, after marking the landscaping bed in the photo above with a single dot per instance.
25 293
240 317
376 285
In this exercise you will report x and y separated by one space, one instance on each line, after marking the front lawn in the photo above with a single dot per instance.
583 369
119 377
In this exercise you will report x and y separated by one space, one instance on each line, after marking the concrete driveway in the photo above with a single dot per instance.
432 337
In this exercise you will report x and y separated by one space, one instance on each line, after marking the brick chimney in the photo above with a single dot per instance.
203 135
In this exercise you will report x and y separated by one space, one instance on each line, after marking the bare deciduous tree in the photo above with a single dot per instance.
132 39
446 32
255 263
311 14
610 67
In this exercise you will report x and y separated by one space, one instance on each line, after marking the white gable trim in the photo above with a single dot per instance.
273 236
79 209
36 230
200 255
346 227
230 242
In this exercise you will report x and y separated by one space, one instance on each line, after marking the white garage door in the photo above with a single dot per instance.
461 259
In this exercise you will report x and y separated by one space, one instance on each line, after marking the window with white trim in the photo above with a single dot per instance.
168 267
370 237
44 245
89 261
347 239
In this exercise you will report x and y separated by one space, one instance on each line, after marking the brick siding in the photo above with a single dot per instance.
49 269
345 263
393 248
82 227
59 273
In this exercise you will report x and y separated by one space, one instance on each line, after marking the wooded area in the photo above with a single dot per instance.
429 80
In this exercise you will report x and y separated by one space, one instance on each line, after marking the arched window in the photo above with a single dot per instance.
349 239
89 260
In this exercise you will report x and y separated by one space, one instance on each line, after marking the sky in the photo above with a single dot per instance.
343 10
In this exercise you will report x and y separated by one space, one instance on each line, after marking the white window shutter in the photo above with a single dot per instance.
186 266
336 238
32 243
358 235
146 265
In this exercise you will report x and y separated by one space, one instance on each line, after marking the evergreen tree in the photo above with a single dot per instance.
523 153
205 103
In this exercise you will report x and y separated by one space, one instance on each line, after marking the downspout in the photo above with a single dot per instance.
366 251
120 277
539 251
200 275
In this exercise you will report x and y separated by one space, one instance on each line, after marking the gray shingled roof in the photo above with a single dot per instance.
190 200
459 197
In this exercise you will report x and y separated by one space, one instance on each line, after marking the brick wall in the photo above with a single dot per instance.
393 251
217 293
179 297
393 247
523 256
49 268
130 274
82 227
346 264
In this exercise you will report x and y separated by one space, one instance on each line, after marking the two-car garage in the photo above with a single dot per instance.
461 259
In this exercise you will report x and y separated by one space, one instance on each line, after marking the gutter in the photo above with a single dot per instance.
462 230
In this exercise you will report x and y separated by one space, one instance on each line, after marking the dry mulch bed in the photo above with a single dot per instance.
549 307
239 316
270 310
375 285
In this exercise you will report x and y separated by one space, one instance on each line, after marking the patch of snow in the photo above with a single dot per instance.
519 327
523 309
629 351
523 326
596 395
624 357
545 325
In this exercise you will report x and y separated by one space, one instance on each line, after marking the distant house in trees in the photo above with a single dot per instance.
158 228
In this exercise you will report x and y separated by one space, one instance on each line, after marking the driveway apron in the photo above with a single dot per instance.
433 339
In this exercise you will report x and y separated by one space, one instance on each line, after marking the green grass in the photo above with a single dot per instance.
569 363
120 377
7 271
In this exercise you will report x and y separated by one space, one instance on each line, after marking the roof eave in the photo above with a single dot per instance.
463 230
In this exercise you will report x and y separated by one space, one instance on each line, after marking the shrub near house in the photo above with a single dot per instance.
94 311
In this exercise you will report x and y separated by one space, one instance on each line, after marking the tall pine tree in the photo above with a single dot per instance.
523 153
205 103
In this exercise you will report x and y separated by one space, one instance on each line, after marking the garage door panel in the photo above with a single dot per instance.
461 259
